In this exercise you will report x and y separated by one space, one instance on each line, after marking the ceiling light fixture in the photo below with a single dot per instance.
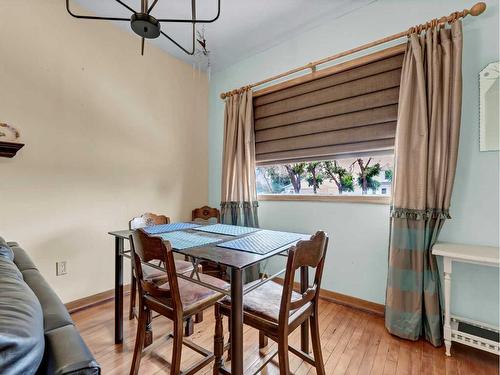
149 27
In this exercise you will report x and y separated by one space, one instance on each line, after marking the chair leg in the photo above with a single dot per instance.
316 344
139 342
189 329
175 367
133 292
263 340
148 337
218 341
283 356
229 341
198 318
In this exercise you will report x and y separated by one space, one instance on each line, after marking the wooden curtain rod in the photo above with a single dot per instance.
476 10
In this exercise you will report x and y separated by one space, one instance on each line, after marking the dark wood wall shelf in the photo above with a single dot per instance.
9 149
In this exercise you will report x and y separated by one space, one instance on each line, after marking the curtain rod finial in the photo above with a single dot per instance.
477 9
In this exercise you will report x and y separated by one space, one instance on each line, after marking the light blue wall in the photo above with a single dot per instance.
357 259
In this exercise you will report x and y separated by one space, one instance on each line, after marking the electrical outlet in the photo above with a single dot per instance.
61 268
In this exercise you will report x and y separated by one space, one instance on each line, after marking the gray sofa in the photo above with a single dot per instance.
37 335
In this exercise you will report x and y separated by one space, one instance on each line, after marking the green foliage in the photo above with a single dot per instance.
314 176
295 173
347 182
315 181
362 173
367 174
279 179
388 175
341 176
298 168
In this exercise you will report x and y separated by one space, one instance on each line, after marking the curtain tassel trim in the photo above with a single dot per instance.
239 205
412 214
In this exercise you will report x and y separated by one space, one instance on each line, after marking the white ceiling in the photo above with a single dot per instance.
245 27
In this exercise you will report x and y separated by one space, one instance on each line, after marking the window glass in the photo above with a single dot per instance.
352 176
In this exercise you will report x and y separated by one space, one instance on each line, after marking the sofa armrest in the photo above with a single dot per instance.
66 353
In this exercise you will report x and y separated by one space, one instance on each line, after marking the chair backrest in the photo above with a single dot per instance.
147 248
310 253
205 213
147 219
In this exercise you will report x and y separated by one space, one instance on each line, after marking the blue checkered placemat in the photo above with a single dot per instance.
263 241
185 240
164 228
229 230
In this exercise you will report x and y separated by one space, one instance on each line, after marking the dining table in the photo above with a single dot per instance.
259 246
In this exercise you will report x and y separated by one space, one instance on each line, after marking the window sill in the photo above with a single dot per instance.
368 199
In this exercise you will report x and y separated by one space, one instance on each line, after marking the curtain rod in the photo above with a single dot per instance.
476 10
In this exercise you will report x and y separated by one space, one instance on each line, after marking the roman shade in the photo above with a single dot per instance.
348 113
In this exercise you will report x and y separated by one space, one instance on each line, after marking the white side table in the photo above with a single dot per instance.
466 331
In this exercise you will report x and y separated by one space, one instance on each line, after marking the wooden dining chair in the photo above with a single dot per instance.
276 310
174 298
207 214
145 220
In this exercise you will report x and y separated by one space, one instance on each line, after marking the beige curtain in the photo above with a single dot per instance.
239 196
426 152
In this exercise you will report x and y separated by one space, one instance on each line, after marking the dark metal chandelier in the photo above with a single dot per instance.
148 27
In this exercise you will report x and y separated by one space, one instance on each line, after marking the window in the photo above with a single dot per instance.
331 133
347 177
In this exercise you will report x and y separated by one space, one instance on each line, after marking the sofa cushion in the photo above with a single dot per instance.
55 314
5 250
71 358
21 258
21 323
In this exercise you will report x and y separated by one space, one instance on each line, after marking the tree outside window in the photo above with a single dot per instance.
354 176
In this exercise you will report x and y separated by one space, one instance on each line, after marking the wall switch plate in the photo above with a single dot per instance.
61 268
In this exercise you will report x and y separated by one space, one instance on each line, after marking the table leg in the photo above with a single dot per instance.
236 321
304 328
118 290
447 304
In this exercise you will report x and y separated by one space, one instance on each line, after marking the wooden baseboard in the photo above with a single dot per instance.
327 295
355 303
345 300
93 300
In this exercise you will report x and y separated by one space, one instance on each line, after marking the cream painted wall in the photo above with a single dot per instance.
109 134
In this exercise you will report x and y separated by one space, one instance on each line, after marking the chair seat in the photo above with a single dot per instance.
151 273
263 304
194 297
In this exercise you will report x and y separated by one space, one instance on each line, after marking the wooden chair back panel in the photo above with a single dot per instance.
205 213
149 248
147 219
310 253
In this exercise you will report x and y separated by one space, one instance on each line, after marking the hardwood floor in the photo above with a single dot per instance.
353 342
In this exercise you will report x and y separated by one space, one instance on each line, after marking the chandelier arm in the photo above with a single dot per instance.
193 20
70 12
126 6
191 53
152 6
144 7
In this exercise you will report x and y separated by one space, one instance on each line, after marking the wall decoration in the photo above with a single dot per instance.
9 140
8 133
489 124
